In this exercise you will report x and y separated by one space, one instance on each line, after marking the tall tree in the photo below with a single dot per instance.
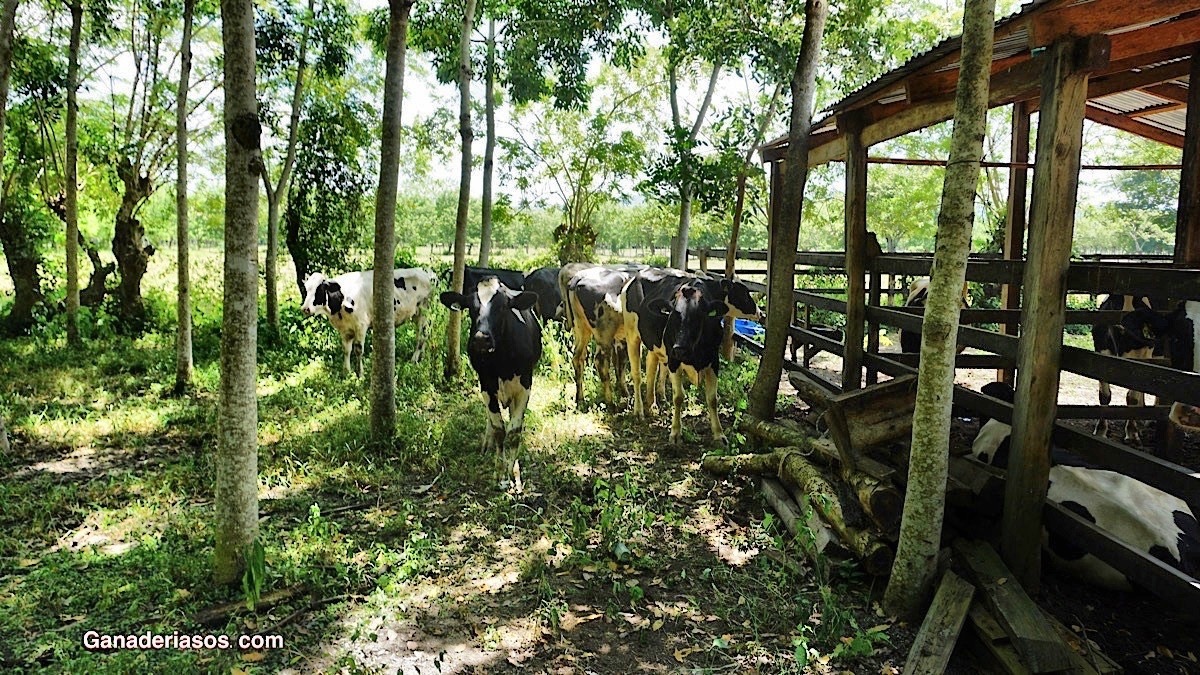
276 191
925 503
183 304
453 326
785 231
8 18
383 360
489 146
71 179
236 503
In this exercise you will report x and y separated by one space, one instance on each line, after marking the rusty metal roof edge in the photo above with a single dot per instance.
934 53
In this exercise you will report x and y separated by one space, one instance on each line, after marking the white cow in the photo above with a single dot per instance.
346 300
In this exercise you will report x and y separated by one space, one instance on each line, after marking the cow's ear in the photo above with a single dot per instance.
717 308
452 300
659 305
523 301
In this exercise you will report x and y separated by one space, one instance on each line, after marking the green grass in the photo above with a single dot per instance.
618 552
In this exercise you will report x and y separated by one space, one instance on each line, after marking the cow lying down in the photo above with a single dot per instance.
1144 517
346 300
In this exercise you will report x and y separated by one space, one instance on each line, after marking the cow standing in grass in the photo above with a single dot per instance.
594 299
504 346
346 301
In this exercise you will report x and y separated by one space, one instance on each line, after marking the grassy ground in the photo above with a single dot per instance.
618 555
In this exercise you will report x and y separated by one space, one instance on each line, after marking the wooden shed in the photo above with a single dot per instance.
1119 63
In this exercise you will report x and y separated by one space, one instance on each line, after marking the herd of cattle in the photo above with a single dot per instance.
677 317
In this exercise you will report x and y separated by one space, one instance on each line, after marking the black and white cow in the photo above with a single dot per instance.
1143 517
918 294
595 302
504 347
1138 335
346 301
544 282
678 318
1182 345
514 280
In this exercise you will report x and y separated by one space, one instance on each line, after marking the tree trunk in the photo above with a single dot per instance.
93 294
920 534
4 446
489 148
71 179
129 247
453 326
679 250
786 232
20 253
383 345
276 194
236 504
183 335
299 255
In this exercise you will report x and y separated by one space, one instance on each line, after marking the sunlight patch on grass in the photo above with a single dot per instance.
715 532
111 533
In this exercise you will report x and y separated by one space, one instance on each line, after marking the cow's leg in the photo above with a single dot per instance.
651 376
348 343
583 336
422 319
710 402
677 407
604 368
1105 399
633 346
518 405
662 379
619 359
493 435
1133 435
357 356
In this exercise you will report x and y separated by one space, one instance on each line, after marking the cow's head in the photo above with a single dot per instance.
491 306
690 316
324 297
738 301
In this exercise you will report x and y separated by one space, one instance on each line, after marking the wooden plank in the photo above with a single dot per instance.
1014 222
856 254
1101 16
993 641
1133 126
939 631
1051 229
1088 658
1171 91
1137 43
1187 218
1039 646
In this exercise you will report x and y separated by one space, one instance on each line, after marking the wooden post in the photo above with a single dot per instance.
1014 223
703 255
1187 226
1051 227
1187 223
873 326
856 250
774 208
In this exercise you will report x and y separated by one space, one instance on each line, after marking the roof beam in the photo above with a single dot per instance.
1138 43
925 87
1133 126
1101 16
1171 92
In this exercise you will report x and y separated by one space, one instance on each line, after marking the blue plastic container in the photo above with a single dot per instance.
748 328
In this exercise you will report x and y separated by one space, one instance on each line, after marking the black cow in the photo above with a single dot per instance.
544 282
1182 345
678 318
594 302
918 294
505 345
1140 333
1144 517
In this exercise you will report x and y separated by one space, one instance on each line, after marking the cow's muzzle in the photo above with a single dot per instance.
481 341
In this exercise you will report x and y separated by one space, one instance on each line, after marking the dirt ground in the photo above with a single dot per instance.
1137 630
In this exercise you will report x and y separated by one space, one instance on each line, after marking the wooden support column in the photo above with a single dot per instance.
1051 228
1187 223
1014 223
856 250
